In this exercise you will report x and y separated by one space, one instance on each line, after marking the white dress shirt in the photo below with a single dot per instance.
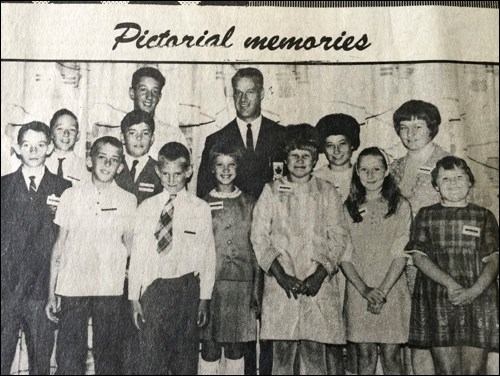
193 247
37 172
140 166
74 167
242 126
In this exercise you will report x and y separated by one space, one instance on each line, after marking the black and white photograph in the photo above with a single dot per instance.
168 207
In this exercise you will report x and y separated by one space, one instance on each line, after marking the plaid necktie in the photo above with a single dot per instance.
32 184
163 231
59 167
249 137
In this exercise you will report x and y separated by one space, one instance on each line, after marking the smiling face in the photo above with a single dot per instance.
372 172
105 163
338 151
453 186
247 96
173 174
224 169
300 163
65 133
138 140
414 134
34 148
146 94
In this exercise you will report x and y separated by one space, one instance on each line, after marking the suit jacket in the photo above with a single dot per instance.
256 168
146 185
28 234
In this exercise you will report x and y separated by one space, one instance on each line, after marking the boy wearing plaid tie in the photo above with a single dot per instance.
29 199
63 161
172 269
88 264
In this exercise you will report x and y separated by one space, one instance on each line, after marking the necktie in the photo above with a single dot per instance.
133 169
163 231
59 167
32 184
249 137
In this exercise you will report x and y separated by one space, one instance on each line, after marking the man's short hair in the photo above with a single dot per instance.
58 114
252 73
148 72
137 117
36 126
172 151
113 141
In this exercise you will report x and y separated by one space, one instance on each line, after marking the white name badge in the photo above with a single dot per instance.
217 205
425 169
471 230
53 200
72 178
362 211
277 170
146 187
284 189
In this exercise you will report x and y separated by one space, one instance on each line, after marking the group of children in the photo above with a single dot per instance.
223 261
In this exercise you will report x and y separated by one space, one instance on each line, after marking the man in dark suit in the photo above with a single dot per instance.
29 199
260 139
261 142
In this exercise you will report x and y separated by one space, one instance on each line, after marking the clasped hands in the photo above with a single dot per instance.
376 299
459 295
295 287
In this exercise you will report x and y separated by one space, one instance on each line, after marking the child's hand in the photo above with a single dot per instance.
203 313
291 285
374 295
462 296
375 308
313 283
53 307
137 314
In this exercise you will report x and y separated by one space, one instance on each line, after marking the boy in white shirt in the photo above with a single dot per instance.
88 264
172 269
63 161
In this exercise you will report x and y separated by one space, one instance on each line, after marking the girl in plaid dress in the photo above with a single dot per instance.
455 302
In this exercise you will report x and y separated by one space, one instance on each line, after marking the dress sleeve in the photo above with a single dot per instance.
207 269
419 235
403 226
490 250
261 230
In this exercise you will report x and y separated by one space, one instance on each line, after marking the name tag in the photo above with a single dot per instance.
362 210
285 189
146 187
72 178
425 169
190 232
277 170
108 209
218 205
53 200
471 230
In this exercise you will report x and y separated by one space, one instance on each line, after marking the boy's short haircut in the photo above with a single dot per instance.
148 72
173 151
225 149
420 110
339 125
302 137
252 73
58 114
36 126
113 141
451 162
137 117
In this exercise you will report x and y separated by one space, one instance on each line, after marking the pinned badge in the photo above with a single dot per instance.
146 187
277 170
471 230
425 169
53 200
217 205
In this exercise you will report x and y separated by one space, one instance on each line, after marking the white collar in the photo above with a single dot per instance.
232 194
242 126
37 172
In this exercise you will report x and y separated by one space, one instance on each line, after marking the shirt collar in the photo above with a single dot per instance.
179 195
242 126
37 172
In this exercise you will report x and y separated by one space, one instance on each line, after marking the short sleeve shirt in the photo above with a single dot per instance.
94 260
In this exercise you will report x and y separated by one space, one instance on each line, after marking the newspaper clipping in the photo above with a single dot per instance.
249 187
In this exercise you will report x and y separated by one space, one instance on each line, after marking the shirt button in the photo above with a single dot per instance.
228 226
229 242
